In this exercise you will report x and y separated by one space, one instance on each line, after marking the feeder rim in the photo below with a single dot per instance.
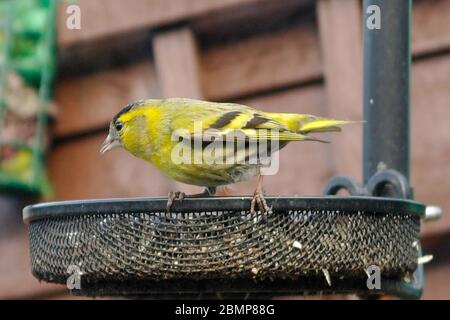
60 209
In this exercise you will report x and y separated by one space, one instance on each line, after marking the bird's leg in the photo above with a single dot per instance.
258 198
177 195
172 196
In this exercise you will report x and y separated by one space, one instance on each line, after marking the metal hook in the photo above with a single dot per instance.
399 186
340 182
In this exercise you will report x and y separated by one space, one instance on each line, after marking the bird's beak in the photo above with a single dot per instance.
109 143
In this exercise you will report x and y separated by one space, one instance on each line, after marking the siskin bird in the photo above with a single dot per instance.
153 130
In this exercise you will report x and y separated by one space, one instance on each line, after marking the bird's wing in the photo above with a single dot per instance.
206 120
212 126
250 124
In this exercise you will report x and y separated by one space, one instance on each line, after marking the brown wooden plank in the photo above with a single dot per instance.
251 19
340 38
89 102
431 25
430 144
436 282
304 166
103 18
261 63
103 54
79 171
176 61
437 270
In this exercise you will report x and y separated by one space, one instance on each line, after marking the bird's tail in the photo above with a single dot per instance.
304 123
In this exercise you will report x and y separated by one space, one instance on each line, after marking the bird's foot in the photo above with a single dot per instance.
172 196
260 201
178 195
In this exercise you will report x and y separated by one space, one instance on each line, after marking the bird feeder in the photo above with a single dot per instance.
216 245
27 49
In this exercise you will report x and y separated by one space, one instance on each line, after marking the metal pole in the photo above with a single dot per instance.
387 61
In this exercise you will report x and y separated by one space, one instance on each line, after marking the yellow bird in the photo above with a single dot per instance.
209 144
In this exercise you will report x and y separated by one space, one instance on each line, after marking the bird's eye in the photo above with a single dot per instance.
119 126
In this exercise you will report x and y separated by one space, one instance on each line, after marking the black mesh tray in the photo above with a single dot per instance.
133 246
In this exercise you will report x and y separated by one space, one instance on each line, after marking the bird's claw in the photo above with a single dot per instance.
258 199
172 196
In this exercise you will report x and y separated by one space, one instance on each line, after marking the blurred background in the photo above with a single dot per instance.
60 86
